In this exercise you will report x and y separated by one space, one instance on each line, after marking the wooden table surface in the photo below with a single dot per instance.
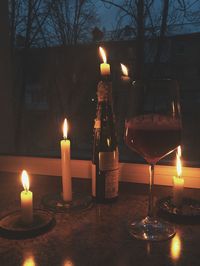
98 236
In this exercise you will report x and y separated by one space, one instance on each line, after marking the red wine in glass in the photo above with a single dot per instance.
153 136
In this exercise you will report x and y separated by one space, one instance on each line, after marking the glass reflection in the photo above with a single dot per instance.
29 260
148 249
175 248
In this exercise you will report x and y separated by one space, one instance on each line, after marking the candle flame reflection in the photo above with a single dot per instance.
179 151
175 248
29 261
148 248
25 180
178 161
68 263
65 128
103 54
124 70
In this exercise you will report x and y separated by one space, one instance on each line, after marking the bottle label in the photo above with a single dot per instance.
108 160
111 183
109 168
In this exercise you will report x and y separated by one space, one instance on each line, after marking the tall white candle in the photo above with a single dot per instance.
65 164
26 200
178 181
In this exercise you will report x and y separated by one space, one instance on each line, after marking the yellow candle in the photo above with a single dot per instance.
124 76
104 67
26 200
178 181
65 164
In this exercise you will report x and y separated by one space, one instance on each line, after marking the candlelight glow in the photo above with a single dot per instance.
108 142
103 54
175 248
68 262
65 129
178 162
124 70
25 180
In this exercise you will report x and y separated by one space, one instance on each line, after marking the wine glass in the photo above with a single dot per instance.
153 130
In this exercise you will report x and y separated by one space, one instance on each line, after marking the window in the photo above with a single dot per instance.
55 74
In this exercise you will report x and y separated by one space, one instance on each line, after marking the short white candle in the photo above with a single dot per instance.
26 200
65 164
178 181
104 67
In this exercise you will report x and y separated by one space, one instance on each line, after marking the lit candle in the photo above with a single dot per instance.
65 163
124 76
104 67
26 200
178 181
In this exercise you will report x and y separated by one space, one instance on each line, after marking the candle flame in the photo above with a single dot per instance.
178 161
124 70
25 180
175 247
103 54
65 128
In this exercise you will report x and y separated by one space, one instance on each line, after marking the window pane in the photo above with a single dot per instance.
55 62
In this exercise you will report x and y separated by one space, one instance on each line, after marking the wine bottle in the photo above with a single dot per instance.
105 162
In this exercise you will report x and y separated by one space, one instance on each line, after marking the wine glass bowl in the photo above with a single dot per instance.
153 130
153 136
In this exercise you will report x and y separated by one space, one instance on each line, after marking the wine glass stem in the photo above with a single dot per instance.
151 184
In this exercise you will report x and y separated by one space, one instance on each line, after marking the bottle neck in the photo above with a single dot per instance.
104 92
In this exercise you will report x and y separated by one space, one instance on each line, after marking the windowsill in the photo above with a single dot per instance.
129 172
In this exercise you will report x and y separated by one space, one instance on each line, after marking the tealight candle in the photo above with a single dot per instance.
26 200
124 76
65 164
104 67
178 182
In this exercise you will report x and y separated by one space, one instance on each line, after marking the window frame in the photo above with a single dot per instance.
129 172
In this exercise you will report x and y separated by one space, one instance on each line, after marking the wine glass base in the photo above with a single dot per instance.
55 202
151 229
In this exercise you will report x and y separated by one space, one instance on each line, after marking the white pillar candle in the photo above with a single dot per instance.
104 67
26 200
65 164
